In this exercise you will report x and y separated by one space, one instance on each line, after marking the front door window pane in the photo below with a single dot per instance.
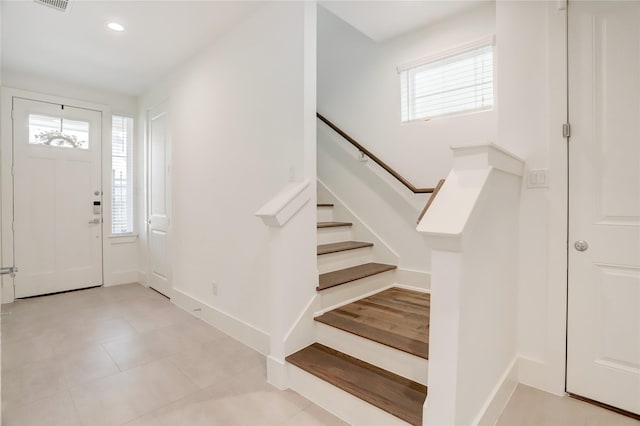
58 132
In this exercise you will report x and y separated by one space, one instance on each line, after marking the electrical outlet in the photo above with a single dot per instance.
214 288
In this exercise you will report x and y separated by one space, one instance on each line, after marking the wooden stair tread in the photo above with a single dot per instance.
342 276
324 205
342 246
394 317
333 224
394 394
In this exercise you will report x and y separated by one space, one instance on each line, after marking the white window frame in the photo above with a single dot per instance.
407 85
130 181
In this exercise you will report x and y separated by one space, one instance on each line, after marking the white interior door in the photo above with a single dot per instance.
603 359
159 202
56 178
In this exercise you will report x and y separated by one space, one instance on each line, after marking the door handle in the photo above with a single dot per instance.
95 221
9 270
581 245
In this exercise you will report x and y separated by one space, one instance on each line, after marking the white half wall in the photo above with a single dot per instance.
238 118
472 226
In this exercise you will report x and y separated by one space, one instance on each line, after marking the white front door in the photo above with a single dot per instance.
603 347
57 197
159 201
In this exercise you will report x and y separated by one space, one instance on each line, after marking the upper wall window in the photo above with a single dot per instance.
453 82
121 175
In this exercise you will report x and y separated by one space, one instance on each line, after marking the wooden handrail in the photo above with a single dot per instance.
433 196
376 159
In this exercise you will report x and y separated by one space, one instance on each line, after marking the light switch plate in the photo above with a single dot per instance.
538 178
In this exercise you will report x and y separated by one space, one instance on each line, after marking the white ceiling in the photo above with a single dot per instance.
161 34
77 47
384 20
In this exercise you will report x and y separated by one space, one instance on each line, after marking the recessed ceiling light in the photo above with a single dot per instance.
115 26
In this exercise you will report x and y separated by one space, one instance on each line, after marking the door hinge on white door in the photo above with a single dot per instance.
566 130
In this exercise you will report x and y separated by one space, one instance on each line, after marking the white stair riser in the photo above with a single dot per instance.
342 404
334 235
344 259
349 292
385 357
325 214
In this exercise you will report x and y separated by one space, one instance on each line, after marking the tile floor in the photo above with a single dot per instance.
126 356
532 407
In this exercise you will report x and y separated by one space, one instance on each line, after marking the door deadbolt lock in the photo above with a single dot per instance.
581 245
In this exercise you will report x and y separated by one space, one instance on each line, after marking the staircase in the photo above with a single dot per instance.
369 362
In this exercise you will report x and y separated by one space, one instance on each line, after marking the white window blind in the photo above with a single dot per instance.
448 84
121 175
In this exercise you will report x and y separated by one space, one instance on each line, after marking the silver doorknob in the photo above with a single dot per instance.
148 221
581 245
94 221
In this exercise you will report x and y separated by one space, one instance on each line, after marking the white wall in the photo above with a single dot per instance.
532 97
359 90
238 137
120 254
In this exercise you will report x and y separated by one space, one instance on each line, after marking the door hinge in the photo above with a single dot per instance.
566 130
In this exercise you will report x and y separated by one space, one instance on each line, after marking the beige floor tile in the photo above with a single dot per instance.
152 318
218 361
125 396
314 416
22 352
251 380
148 420
126 355
130 352
196 409
533 407
31 382
164 381
55 410
276 407
113 400
87 364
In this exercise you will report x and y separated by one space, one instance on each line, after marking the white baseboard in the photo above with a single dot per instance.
118 278
277 373
142 278
499 397
407 278
234 327
548 377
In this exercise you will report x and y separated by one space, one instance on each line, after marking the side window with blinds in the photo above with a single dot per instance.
454 82
121 175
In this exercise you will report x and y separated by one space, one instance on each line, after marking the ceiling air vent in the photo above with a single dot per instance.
61 5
